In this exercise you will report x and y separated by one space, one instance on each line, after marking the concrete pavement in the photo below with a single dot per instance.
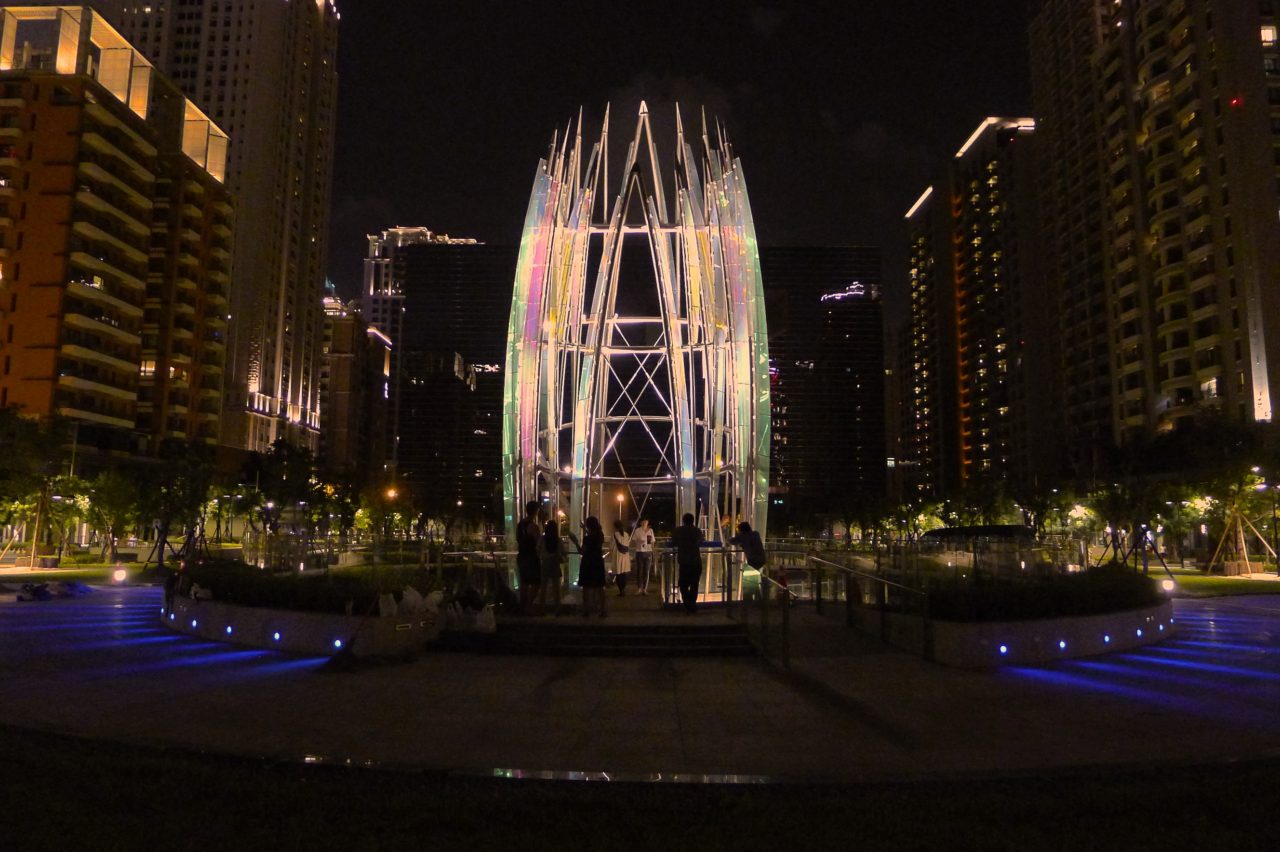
851 709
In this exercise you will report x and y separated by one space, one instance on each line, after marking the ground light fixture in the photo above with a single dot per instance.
1062 644
1106 638
228 629
337 643
194 622
1139 631
276 636
1004 649
119 575
1168 585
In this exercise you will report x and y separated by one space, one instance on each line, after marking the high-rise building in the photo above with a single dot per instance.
445 304
266 71
826 345
1184 97
982 343
114 236
382 302
355 380
1066 94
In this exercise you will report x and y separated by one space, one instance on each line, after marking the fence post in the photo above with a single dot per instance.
817 588
764 618
848 600
882 601
786 628
926 628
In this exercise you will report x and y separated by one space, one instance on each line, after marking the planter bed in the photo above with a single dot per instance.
311 633
998 643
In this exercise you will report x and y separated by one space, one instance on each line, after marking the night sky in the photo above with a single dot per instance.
841 112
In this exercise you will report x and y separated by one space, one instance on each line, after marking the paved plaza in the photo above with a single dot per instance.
849 708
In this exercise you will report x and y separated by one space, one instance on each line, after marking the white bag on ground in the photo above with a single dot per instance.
411 601
486 621
387 604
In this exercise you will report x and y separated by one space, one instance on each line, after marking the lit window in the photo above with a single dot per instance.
1269 36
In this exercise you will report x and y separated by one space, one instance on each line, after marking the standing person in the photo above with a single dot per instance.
528 561
591 569
642 545
688 543
553 557
621 555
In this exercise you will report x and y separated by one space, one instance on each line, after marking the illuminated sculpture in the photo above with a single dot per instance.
638 374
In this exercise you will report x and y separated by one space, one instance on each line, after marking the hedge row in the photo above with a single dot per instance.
1091 592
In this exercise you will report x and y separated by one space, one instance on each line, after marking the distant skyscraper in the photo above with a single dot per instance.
444 304
826 346
981 342
355 379
266 71
1183 103
114 237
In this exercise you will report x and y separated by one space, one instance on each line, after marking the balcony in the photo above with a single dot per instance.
90 231
92 324
83 353
94 201
94 417
90 263
100 143
97 172
102 297
88 386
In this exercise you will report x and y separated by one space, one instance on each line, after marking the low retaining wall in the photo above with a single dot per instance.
999 643
311 633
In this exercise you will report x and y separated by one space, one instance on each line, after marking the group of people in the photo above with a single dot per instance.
541 554
542 551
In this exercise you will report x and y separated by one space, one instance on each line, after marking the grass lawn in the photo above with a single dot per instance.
1211 586
67 794
96 574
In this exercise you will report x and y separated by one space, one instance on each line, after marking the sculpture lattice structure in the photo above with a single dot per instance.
637 361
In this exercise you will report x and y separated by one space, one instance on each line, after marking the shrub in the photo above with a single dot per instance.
1091 592
233 581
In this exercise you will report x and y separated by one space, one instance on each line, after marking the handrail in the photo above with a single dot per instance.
874 577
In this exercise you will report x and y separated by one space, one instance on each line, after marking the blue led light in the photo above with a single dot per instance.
162 610
1062 644
171 616
337 643
275 636
194 622
1004 649
1106 638
1161 628
1139 631
228 629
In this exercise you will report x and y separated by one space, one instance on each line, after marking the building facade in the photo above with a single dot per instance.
1186 104
265 70
982 338
443 304
114 238
355 380
826 343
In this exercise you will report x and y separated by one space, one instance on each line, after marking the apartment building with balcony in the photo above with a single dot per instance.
92 146
1188 109
265 70
982 335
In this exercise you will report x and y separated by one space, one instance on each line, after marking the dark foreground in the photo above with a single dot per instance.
63 793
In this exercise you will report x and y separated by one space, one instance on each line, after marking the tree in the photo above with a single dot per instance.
113 503
179 481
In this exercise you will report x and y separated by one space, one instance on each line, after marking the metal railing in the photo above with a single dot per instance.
871 603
